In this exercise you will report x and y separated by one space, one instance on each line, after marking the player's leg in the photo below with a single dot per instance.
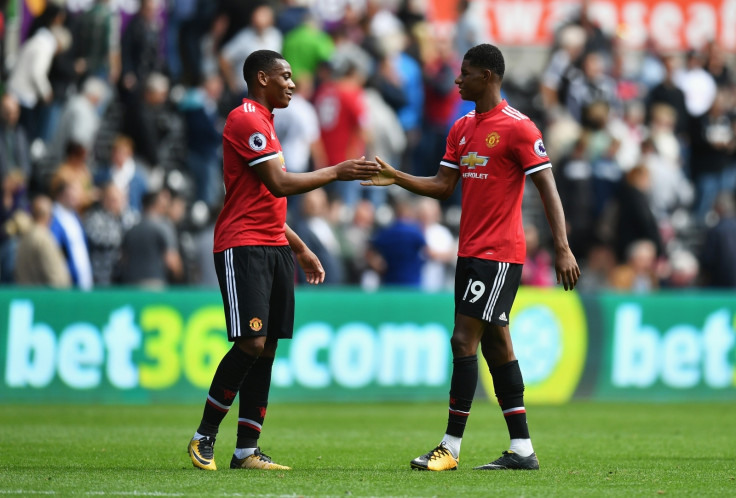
471 284
240 287
256 386
465 339
508 384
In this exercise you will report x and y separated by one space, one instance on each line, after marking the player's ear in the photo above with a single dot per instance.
262 78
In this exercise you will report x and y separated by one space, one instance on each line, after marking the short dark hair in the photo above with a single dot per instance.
486 56
260 60
150 199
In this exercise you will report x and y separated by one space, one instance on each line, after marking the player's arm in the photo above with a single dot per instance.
440 186
305 257
282 183
566 267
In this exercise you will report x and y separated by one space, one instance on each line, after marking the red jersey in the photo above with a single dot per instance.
342 115
251 215
494 152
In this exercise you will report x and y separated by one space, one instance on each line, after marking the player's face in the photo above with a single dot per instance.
471 81
280 87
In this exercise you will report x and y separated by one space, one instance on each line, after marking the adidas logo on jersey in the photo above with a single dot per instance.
248 107
462 141
502 316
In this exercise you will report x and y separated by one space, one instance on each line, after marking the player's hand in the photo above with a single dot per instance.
356 169
567 269
386 176
312 267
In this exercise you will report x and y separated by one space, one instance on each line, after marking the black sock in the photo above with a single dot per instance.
509 387
462 390
253 403
225 386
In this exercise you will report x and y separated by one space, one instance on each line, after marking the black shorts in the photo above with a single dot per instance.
257 287
486 289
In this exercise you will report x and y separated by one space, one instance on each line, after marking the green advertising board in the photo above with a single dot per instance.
669 347
126 346
139 347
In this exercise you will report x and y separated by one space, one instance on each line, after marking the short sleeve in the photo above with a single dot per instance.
450 159
529 148
251 138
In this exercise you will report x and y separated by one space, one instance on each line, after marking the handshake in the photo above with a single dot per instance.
378 174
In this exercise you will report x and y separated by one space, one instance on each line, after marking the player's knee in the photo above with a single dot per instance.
253 346
269 348
462 345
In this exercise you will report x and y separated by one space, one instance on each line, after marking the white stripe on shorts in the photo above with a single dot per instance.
232 293
496 290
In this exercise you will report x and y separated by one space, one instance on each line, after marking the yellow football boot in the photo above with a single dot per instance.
202 453
439 458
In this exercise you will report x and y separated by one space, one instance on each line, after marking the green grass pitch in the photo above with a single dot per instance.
585 449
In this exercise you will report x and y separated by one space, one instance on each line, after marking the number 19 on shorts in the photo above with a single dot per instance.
476 289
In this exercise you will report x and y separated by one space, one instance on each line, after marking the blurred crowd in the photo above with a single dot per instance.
110 157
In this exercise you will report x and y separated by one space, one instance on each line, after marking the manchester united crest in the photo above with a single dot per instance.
255 324
492 139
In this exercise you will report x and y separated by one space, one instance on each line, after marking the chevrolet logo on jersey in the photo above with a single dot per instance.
473 159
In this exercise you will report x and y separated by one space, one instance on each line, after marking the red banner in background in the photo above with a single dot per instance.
672 24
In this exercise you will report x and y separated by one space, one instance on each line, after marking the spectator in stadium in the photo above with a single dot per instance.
410 74
682 270
13 209
590 84
69 232
204 138
712 160
602 147
308 46
697 84
387 137
344 123
74 169
140 51
667 92
28 81
397 251
562 62
670 189
126 173
149 121
438 68
105 223
183 28
80 119
254 259
716 65
39 260
638 272
297 127
537 270
96 47
574 175
490 263
149 252
355 238
315 230
260 34
718 256
599 261
635 220
441 249
15 151
472 25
